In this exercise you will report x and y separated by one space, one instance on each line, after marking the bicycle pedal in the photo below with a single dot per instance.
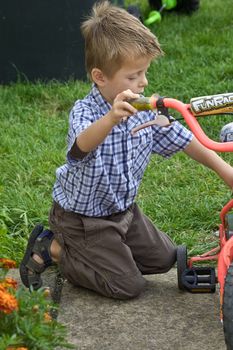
199 279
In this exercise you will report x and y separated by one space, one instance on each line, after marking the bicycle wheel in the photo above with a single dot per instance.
181 264
156 4
228 308
187 6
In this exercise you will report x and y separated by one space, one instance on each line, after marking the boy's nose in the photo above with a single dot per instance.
144 81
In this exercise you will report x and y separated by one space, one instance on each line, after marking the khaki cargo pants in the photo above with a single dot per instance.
111 254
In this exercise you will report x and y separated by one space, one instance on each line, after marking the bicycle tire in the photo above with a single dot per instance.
228 308
155 4
181 264
187 6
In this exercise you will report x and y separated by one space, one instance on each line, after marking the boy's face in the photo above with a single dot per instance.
131 75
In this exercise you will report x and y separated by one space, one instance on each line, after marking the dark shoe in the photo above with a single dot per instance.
30 270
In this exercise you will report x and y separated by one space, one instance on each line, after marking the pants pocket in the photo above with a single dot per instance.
92 230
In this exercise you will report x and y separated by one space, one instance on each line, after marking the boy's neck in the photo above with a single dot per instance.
103 94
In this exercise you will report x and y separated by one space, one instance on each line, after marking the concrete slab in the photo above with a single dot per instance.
161 318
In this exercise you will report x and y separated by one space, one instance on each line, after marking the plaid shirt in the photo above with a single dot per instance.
107 179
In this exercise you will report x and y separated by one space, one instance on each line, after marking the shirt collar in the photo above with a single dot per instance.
99 99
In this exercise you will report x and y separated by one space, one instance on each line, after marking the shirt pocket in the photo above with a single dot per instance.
142 144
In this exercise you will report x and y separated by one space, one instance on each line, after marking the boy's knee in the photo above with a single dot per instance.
127 288
169 260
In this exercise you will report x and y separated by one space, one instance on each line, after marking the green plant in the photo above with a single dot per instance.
25 320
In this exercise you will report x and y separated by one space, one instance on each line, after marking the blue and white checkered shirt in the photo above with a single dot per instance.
106 181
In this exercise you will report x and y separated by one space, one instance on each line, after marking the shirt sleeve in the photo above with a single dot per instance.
79 119
168 140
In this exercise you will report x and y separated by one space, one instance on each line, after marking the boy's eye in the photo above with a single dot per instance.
132 78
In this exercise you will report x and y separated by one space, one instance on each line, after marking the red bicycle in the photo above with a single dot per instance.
191 277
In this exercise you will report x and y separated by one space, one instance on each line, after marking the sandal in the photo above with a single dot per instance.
30 270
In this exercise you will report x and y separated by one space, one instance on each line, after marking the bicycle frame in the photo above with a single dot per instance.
191 120
224 252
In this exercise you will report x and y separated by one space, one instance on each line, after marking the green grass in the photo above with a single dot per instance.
182 197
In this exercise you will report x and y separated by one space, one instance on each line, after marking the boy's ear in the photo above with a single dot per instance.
98 76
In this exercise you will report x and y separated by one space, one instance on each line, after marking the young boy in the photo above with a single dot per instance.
99 237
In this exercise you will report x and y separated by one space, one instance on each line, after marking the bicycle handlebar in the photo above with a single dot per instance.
186 110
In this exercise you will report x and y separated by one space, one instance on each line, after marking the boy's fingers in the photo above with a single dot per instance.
126 95
129 108
130 94
124 106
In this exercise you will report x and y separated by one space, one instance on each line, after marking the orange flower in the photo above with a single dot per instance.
7 263
8 302
12 348
9 282
2 288
47 317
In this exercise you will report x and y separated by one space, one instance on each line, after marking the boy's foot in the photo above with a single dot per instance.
37 257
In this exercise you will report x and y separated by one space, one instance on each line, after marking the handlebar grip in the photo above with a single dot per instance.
145 103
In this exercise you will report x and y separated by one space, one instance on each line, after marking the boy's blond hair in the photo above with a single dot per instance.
112 35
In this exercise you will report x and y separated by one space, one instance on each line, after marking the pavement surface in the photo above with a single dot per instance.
161 318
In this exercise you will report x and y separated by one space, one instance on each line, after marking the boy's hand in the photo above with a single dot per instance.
121 109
